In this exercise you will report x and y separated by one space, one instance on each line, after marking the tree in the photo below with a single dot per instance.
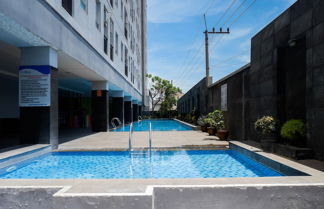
162 91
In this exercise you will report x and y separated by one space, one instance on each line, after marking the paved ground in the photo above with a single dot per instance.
160 139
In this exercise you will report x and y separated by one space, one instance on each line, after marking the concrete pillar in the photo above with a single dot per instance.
140 109
38 95
117 105
100 106
128 109
135 110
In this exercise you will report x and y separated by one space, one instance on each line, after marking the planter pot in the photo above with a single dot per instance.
203 128
222 134
296 153
267 144
211 131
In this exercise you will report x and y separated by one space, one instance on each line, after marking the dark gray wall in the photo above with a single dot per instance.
286 77
196 97
287 81
234 115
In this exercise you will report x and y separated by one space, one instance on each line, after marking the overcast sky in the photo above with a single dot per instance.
176 39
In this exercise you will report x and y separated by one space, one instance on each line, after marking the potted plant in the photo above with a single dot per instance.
211 126
202 124
222 133
294 131
266 126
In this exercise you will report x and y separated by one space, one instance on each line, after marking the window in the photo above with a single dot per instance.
111 40
126 61
105 31
98 14
105 44
68 6
121 51
122 9
112 3
132 10
84 5
126 24
116 43
132 71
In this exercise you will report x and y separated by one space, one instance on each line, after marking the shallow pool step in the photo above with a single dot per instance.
13 157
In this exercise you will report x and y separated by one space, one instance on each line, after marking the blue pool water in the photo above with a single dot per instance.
157 125
120 165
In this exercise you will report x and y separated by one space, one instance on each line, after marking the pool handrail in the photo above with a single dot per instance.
150 137
139 118
113 123
131 129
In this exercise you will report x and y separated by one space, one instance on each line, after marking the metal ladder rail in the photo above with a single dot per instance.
150 137
150 149
131 130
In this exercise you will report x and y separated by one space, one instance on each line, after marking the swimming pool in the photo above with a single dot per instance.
138 165
157 125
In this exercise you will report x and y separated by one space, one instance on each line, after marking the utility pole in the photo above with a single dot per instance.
206 32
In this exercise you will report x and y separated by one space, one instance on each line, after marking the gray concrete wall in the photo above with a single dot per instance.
288 197
44 199
239 198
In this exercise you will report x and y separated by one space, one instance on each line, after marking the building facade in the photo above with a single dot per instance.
284 79
70 64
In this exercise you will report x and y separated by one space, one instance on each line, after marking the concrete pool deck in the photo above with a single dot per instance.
160 139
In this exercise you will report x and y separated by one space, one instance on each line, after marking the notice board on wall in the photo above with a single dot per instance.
34 86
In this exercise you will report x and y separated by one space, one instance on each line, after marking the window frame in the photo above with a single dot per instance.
98 15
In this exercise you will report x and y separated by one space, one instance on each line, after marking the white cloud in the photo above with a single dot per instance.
172 11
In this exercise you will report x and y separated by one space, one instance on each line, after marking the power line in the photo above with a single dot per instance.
228 8
246 9
228 19
232 57
221 17
208 6
243 2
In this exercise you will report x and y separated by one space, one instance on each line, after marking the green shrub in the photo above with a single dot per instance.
209 122
218 117
266 125
293 129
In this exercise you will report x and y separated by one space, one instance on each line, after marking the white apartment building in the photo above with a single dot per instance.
70 64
